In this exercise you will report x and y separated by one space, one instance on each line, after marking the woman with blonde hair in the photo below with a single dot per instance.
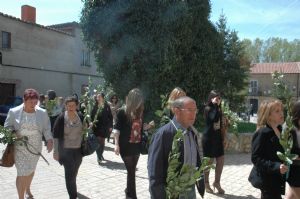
268 169
175 94
128 133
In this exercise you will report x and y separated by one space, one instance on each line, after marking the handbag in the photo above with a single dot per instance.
144 143
8 157
255 178
89 144
200 186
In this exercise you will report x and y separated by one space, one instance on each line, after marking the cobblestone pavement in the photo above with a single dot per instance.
108 180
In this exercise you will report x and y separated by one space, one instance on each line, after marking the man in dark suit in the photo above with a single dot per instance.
185 111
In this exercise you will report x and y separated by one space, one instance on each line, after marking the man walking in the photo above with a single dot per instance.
185 111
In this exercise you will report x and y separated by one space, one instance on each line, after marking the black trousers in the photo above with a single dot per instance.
130 164
71 160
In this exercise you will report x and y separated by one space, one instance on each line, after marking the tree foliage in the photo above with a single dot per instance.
155 45
235 65
273 49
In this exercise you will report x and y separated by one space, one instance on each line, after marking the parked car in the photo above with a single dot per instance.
7 103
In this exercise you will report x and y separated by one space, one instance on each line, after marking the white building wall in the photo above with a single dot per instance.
44 59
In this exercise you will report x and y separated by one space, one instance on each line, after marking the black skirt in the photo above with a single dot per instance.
212 144
294 176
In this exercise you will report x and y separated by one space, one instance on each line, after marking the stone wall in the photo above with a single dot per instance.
239 143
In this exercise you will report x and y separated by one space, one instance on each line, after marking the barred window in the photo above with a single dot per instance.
6 39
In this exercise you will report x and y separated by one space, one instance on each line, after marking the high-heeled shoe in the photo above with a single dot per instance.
29 196
218 187
207 188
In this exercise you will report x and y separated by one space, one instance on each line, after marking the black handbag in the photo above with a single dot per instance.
89 144
255 178
200 186
144 143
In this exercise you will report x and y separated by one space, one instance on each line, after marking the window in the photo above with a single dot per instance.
6 39
85 58
253 87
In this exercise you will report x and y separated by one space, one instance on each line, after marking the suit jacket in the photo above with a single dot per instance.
296 145
265 145
14 116
158 156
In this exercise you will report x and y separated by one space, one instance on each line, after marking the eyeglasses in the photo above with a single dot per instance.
190 110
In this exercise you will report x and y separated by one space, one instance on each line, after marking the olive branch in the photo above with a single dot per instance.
7 136
231 116
281 91
88 102
180 180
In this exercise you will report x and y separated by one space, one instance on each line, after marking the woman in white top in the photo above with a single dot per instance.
31 121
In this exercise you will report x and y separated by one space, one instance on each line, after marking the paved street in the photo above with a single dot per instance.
108 180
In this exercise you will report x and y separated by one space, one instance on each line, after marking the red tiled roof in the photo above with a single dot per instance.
267 68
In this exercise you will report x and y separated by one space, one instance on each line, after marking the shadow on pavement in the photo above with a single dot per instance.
113 165
80 196
230 196
108 148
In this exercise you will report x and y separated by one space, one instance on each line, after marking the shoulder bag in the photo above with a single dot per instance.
8 157
89 144
255 178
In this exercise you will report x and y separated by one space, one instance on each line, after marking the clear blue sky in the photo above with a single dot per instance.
250 18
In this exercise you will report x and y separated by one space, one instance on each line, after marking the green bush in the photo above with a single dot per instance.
245 127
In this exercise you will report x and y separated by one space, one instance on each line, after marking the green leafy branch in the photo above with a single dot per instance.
180 180
50 106
88 102
282 92
164 114
7 136
231 116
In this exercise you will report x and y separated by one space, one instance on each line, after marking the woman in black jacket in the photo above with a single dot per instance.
212 140
103 125
294 175
128 134
265 144
67 143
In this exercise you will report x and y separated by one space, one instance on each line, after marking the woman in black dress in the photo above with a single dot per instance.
103 125
212 141
127 133
294 175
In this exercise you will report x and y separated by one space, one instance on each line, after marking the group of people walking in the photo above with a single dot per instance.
127 124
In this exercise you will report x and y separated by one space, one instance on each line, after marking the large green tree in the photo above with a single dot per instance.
154 45
235 65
